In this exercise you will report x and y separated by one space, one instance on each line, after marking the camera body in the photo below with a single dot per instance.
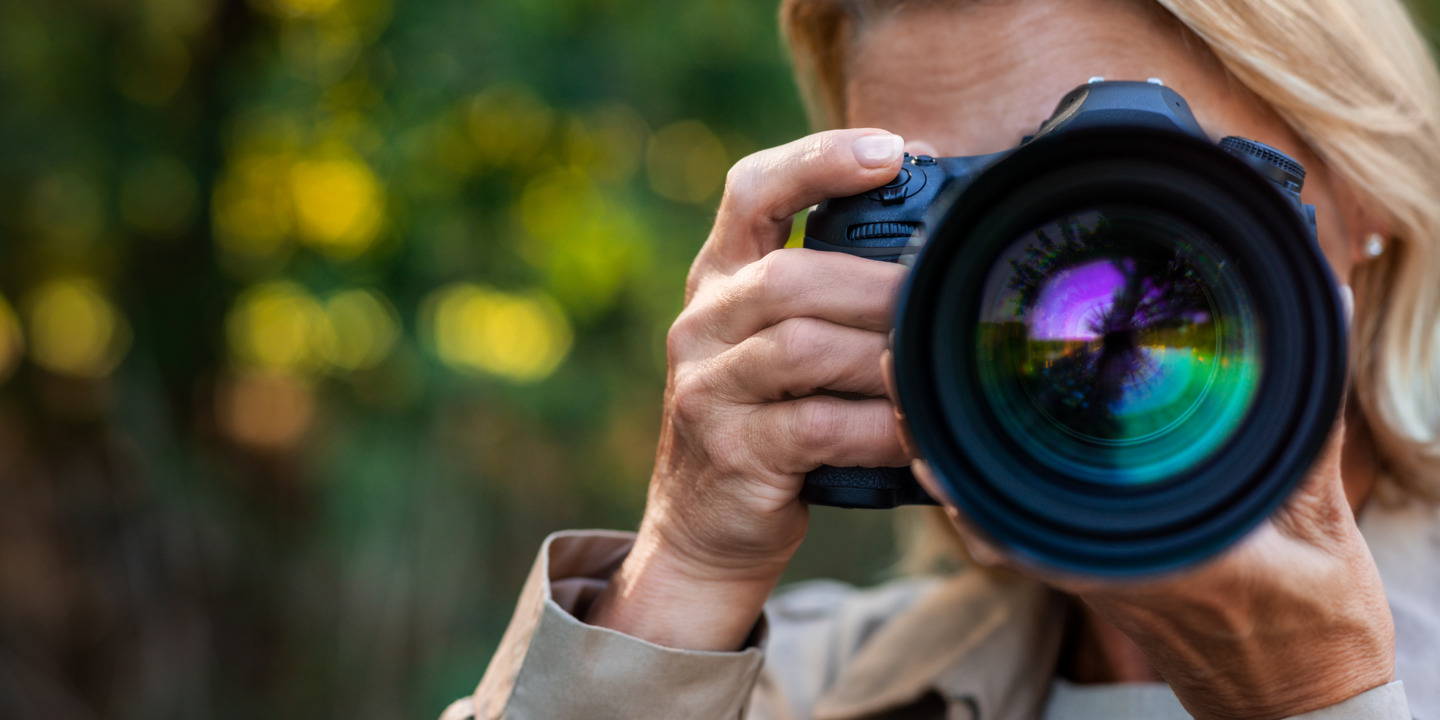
1132 178
889 222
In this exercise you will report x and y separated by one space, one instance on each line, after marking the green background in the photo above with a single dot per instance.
316 316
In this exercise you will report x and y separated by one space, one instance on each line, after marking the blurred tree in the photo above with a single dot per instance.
317 315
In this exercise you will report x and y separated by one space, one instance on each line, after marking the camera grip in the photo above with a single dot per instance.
857 487
877 226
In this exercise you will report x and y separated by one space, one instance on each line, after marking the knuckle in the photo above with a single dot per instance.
681 337
819 148
689 398
775 274
799 341
819 424
742 180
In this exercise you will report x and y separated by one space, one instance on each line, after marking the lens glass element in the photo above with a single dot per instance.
1118 346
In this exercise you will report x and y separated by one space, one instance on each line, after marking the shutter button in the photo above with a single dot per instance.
894 191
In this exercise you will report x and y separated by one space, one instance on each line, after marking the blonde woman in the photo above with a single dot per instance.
672 622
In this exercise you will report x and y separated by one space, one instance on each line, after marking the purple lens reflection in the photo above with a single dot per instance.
1075 301
1120 340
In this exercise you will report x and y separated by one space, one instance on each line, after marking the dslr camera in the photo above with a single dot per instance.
1119 346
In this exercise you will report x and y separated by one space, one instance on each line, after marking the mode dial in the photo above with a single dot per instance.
1271 163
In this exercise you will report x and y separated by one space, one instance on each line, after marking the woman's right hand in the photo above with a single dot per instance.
763 329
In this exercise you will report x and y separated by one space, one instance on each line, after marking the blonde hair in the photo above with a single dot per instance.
1356 81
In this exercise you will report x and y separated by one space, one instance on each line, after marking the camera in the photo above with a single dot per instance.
1119 346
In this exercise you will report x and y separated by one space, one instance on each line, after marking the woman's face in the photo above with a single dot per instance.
977 77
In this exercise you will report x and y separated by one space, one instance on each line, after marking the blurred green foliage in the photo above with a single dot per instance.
317 315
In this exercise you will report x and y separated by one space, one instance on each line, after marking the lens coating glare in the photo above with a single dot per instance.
1118 345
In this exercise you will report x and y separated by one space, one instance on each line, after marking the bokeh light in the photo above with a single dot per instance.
606 144
251 206
508 125
75 329
298 8
587 245
686 162
321 52
481 330
363 330
277 325
559 203
12 341
339 204
265 411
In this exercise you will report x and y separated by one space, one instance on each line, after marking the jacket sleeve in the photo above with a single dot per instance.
552 666
1386 702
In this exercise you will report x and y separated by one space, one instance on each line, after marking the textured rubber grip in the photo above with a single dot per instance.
885 237
856 487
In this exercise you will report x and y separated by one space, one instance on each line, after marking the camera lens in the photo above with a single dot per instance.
1118 344
1119 350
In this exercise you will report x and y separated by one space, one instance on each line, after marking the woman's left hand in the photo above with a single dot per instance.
1292 619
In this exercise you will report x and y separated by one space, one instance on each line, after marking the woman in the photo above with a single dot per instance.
1292 621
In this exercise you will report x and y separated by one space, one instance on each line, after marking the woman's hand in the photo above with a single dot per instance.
1292 619
763 329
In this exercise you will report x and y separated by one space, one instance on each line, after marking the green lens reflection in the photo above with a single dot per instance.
1118 345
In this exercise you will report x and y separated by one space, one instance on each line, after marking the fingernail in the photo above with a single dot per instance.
874 151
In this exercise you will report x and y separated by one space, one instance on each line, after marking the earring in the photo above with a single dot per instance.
1374 244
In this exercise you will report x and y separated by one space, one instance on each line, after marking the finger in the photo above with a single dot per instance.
764 191
799 357
980 548
809 432
796 282
1319 508
887 374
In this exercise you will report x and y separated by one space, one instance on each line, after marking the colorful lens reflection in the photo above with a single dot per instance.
1118 345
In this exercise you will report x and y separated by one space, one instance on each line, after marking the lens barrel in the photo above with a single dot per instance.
1120 350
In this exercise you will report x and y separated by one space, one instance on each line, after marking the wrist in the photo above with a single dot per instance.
669 600
1225 660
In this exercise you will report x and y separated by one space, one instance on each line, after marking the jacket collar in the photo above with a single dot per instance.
984 638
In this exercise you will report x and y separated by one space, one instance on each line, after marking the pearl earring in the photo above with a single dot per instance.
1374 244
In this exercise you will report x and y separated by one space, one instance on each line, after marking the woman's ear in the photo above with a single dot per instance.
1368 228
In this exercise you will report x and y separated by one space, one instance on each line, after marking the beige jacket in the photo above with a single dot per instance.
973 646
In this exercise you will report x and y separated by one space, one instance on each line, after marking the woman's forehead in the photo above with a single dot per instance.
978 77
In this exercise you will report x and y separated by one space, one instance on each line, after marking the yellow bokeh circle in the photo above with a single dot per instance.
329 200
686 162
281 326
363 330
251 206
297 8
75 329
12 341
276 325
339 205
481 330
